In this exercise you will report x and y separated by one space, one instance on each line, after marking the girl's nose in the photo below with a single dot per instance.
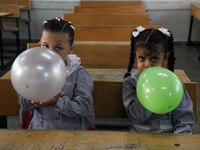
147 63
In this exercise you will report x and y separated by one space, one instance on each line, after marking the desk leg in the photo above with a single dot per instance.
190 31
3 121
29 28
1 50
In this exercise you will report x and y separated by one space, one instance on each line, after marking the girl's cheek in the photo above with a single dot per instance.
140 66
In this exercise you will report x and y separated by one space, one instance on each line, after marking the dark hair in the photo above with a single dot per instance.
152 40
59 25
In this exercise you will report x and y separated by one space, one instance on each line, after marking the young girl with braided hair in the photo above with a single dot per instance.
154 48
72 108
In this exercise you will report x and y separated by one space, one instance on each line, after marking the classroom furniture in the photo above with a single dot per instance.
110 3
95 140
25 5
101 54
107 33
195 12
107 19
107 88
14 11
2 16
110 10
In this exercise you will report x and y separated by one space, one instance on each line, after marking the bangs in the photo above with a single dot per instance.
149 48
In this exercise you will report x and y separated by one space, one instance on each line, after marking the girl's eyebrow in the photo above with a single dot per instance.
59 44
44 43
142 55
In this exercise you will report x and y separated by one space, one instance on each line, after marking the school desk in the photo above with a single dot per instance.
2 16
94 140
195 12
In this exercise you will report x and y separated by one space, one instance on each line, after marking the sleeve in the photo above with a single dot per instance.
136 112
25 104
81 103
25 112
183 115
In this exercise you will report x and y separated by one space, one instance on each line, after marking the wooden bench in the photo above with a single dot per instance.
110 3
107 79
110 10
14 10
19 2
106 33
107 93
107 19
101 54
25 5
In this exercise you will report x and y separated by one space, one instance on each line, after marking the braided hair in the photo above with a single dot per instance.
59 25
154 41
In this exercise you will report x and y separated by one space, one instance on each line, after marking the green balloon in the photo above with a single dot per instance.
159 90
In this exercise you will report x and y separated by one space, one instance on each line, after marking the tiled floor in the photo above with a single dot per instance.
186 59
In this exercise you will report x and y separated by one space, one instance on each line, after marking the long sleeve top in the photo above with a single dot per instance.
74 109
142 120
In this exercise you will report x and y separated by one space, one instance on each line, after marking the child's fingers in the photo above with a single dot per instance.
35 103
38 103
58 94
47 102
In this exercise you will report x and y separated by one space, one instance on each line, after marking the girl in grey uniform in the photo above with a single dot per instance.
153 48
72 108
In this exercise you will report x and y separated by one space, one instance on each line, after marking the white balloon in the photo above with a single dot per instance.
38 74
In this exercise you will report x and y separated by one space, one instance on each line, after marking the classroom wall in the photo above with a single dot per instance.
172 14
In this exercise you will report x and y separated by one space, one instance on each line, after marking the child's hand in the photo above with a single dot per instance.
49 102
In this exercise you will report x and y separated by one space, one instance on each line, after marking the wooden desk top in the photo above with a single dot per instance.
196 5
22 7
115 75
195 10
94 140
118 74
4 14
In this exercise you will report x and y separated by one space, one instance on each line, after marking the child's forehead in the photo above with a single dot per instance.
147 52
55 35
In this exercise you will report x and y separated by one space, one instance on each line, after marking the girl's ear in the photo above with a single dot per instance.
166 57
71 49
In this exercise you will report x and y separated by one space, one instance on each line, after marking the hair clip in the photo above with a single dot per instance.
165 31
139 29
72 27
58 19
45 21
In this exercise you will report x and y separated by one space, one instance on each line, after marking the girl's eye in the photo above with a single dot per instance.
154 59
141 58
45 46
58 48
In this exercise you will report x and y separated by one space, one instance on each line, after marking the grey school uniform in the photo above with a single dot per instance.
74 109
142 120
